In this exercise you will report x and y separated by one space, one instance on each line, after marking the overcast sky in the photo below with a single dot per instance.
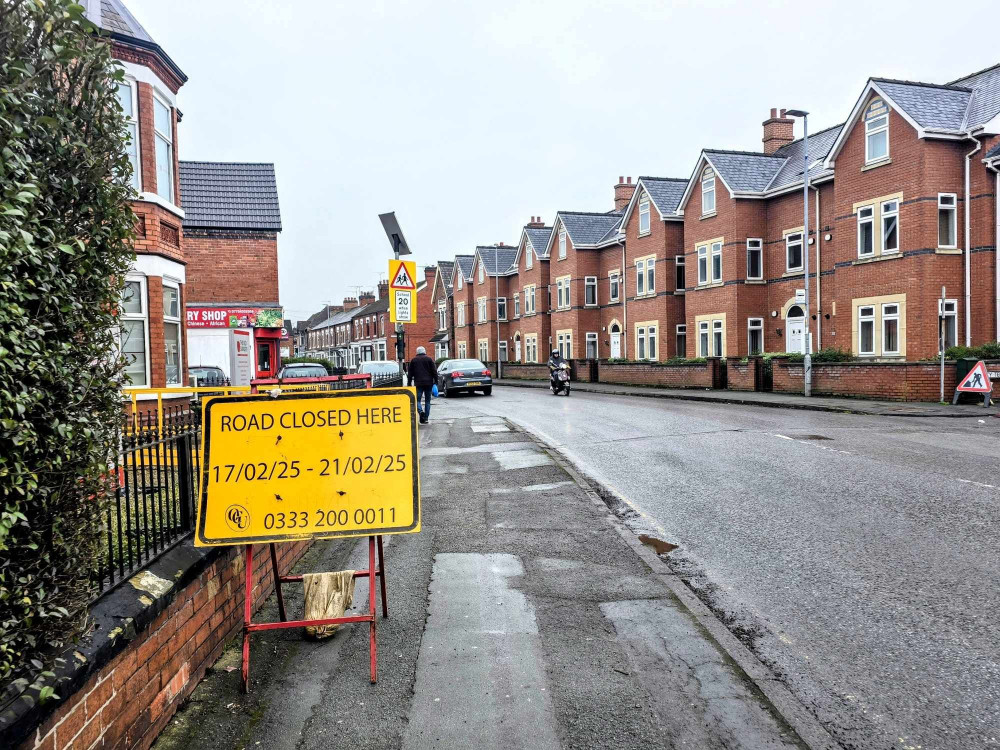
466 118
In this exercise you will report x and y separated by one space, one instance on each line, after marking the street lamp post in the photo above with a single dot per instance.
807 363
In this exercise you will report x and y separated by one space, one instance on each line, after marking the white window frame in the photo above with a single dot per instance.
460 315
562 290
517 304
652 349
707 189
502 349
462 350
442 323
873 129
591 339
950 311
640 343
460 280
702 265
528 260
718 338
788 246
755 245
133 124
866 216
650 276
174 320
886 317
482 272
680 331
564 343
862 319
589 285
143 317
644 216
892 212
484 350
501 308
481 310
562 244
168 140
755 324
704 338
680 269
614 286
951 208
640 278
716 255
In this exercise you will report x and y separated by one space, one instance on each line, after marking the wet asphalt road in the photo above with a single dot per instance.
857 556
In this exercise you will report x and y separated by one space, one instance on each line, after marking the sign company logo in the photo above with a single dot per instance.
237 517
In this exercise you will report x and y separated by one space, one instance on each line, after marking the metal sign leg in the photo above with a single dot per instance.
381 575
277 583
247 608
371 606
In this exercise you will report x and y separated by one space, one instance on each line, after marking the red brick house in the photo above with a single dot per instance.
531 334
463 301
441 301
493 270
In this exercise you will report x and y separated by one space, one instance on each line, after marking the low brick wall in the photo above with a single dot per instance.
740 376
886 381
127 696
693 375
525 371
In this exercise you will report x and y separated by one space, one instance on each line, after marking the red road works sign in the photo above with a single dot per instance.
977 381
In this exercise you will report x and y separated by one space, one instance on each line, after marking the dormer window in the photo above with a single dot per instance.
562 244
708 191
643 215
127 99
164 136
876 132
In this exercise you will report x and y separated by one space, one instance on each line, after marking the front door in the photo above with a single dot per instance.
517 350
616 344
796 337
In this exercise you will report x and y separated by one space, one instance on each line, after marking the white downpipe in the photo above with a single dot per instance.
968 248
625 305
996 254
819 269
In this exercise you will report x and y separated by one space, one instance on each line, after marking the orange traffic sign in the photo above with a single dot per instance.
977 381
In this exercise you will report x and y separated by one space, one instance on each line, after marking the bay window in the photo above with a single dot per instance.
134 332
172 332
164 138
127 100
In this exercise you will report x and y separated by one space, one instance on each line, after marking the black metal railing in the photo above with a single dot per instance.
387 380
152 492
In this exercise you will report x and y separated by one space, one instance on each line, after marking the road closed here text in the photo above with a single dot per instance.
308 465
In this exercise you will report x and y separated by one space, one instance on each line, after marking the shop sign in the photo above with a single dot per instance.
234 317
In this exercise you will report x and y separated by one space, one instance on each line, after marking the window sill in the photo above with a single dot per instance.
162 202
948 251
712 285
707 216
679 291
755 281
615 301
876 164
793 274
876 258
644 234
645 295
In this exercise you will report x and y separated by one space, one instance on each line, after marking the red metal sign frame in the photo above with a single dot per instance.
249 626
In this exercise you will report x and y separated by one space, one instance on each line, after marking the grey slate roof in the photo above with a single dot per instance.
665 192
445 268
932 106
539 239
115 17
819 146
466 263
985 103
589 228
498 259
993 152
745 171
220 195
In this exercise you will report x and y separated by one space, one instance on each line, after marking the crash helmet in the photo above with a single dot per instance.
555 352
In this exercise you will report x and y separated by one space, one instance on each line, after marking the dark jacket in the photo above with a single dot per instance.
421 371
554 363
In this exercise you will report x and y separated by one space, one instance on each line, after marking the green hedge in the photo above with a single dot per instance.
989 350
830 354
66 230
664 363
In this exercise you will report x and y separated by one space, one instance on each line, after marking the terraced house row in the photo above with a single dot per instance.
903 201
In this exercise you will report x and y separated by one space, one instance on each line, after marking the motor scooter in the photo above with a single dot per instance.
559 382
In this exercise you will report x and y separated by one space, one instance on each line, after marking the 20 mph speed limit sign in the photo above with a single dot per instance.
403 309
308 465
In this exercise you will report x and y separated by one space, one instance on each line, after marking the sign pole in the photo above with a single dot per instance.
400 351
941 337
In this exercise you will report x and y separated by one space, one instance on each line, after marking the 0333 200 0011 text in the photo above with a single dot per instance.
329 519
263 471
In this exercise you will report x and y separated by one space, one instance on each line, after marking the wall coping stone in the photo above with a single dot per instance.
115 620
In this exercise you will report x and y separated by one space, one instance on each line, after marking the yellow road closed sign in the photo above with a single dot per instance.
308 466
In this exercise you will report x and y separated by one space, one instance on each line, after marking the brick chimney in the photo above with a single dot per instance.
350 303
778 130
383 289
536 223
429 272
366 298
623 192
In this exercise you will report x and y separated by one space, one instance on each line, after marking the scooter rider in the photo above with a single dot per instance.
555 362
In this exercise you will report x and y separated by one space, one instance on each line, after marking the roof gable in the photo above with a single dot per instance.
664 193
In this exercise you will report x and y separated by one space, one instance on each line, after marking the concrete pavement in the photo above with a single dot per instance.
776 400
523 616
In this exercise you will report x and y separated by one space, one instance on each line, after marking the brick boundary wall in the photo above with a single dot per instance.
525 371
692 375
126 702
742 376
887 381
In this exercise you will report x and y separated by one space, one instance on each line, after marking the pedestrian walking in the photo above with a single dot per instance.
423 373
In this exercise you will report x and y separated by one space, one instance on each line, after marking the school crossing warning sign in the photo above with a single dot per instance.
308 465
402 291
403 275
